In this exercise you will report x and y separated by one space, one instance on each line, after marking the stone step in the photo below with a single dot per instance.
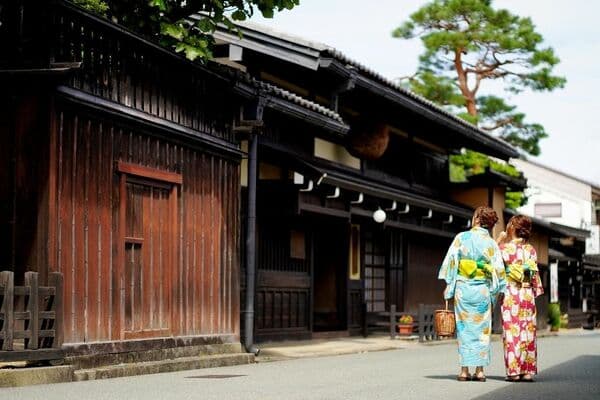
155 367
107 359
11 377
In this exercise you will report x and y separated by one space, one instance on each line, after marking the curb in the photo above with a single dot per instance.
27 376
35 376
155 367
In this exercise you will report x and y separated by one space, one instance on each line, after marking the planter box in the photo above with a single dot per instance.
405 329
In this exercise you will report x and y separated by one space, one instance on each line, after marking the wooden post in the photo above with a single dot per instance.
393 321
2 315
421 322
364 319
33 324
7 280
56 279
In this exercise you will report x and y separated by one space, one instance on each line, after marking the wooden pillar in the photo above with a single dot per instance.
7 281
56 279
33 307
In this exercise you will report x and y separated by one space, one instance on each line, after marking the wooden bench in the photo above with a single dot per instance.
30 318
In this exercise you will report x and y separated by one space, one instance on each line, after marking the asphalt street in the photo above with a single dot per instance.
569 369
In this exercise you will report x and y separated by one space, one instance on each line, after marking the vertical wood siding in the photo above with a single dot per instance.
23 184
424 256
102 303
119 67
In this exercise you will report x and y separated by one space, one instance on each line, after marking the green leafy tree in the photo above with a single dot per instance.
468 43
96 6
167 21
473 163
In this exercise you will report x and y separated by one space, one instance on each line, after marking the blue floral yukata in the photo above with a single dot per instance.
474 273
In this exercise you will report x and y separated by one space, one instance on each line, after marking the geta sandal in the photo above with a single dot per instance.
464 378
479 378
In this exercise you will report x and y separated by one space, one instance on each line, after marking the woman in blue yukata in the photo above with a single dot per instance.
474 273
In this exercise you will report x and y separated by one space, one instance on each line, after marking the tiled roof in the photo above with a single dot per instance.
326 50
568 231
592 259
338 55
294 98
272 89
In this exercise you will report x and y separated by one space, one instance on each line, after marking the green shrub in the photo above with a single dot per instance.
96 6
554 315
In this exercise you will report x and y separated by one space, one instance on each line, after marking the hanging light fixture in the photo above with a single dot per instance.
379 215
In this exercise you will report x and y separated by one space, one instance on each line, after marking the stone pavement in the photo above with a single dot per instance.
355 345
569 369
331 347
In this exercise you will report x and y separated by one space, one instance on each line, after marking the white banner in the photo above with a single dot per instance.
554 282
592 244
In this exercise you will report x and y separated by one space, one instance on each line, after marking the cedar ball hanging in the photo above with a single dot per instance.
369 141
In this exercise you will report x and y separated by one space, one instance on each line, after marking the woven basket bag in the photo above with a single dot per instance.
444 322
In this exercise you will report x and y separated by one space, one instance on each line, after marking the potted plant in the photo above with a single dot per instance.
564 321
405 324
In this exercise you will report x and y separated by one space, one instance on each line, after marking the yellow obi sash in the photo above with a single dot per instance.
516 271
474 269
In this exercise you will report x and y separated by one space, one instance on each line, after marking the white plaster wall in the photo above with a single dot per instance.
548 186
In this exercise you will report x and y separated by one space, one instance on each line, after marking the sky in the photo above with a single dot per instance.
362 30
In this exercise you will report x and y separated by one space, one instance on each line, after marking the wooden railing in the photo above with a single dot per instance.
593 313
424 321
384 319
31 325
125 68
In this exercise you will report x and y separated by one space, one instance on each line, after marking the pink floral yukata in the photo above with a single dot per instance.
518 309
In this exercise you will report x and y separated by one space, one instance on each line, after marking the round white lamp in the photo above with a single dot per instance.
379 215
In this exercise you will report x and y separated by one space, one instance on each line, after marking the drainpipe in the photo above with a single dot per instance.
251 246
251 228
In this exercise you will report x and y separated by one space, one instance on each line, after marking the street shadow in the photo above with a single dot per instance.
223 376
442 377
575 379
495 378
453 377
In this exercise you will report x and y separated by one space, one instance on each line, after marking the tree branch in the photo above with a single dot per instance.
499 124
478 80
407 77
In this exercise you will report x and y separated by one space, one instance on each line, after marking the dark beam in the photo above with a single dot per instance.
140 118
293 109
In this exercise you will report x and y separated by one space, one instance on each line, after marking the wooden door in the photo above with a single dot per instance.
148 247
396 273
330 277
374 270
355 284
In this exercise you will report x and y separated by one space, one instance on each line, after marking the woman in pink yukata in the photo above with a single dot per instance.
518 305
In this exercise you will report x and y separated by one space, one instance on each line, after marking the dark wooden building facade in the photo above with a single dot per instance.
123 166
120 169
122 173
325 266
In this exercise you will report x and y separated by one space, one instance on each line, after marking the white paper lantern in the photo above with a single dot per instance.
379 216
